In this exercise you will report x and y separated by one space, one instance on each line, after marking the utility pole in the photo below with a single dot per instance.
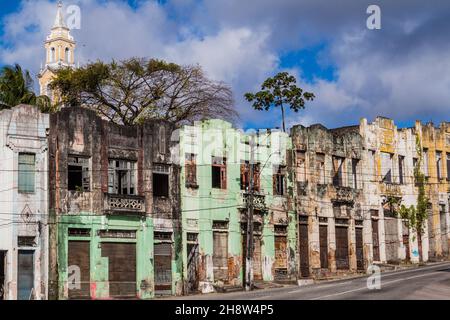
249 252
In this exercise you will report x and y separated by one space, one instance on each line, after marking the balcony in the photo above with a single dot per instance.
259 201
124 204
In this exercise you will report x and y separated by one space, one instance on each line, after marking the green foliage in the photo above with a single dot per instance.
279 91
417 215
16 87
133 90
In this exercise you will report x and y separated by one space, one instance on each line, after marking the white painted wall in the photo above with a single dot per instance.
24 129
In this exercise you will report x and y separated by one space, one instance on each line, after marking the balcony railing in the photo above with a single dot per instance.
124 204
259 200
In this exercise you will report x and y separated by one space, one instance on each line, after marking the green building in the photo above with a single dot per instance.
114 217
214 181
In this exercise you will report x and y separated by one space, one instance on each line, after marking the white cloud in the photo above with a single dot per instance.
402 70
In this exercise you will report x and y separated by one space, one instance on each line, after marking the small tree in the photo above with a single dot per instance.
417 215
279 91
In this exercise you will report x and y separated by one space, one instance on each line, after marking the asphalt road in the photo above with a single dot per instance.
426 282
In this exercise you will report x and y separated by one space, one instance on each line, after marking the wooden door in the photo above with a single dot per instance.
323 239
304 250
25 274
163 268
79 255
280 252
342 262
192 266
122 269
220 256
406 244
359 248
257 265
375 240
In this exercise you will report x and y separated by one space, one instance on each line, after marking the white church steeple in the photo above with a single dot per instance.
59 49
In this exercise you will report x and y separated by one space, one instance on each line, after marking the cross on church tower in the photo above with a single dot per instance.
59 48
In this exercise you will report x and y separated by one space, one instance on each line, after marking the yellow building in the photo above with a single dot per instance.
59 48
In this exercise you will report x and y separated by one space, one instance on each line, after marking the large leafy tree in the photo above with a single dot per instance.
280 91
16 87
130 91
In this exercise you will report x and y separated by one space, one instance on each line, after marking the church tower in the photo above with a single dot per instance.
59 48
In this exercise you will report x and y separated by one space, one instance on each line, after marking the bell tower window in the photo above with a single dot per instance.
52 55
68 57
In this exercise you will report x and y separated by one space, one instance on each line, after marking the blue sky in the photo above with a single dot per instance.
401 71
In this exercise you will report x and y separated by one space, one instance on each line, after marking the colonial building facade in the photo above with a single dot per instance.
214 182
23 201
114 208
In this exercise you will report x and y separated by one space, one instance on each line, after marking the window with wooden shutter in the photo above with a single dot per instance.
219 173
300 163
279 180
338 164
78 174
191 170
245 176
122 177
26 172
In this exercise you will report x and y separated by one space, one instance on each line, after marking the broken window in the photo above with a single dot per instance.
439 164
122 177
26 172
191 170
425 162
245 176
338 168
279 181
320 168
401 169
219 173
372 166
354 179
78 177
386 167
160 180
300 162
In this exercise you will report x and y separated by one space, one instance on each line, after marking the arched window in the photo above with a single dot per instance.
68 55
52 55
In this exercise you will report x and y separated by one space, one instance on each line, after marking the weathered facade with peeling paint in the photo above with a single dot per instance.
329 200
23 199
214 181
113 207
436 145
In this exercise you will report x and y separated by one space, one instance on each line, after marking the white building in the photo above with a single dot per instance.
23 203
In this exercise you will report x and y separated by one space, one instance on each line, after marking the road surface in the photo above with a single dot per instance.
426 282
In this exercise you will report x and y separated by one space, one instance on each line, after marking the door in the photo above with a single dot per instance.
257 267
192 266
406 245
375 240
304 250
25 275
163 268
280 252
122 268
79 255
323 238
220 256
256 262
359 248
342 248
2 274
